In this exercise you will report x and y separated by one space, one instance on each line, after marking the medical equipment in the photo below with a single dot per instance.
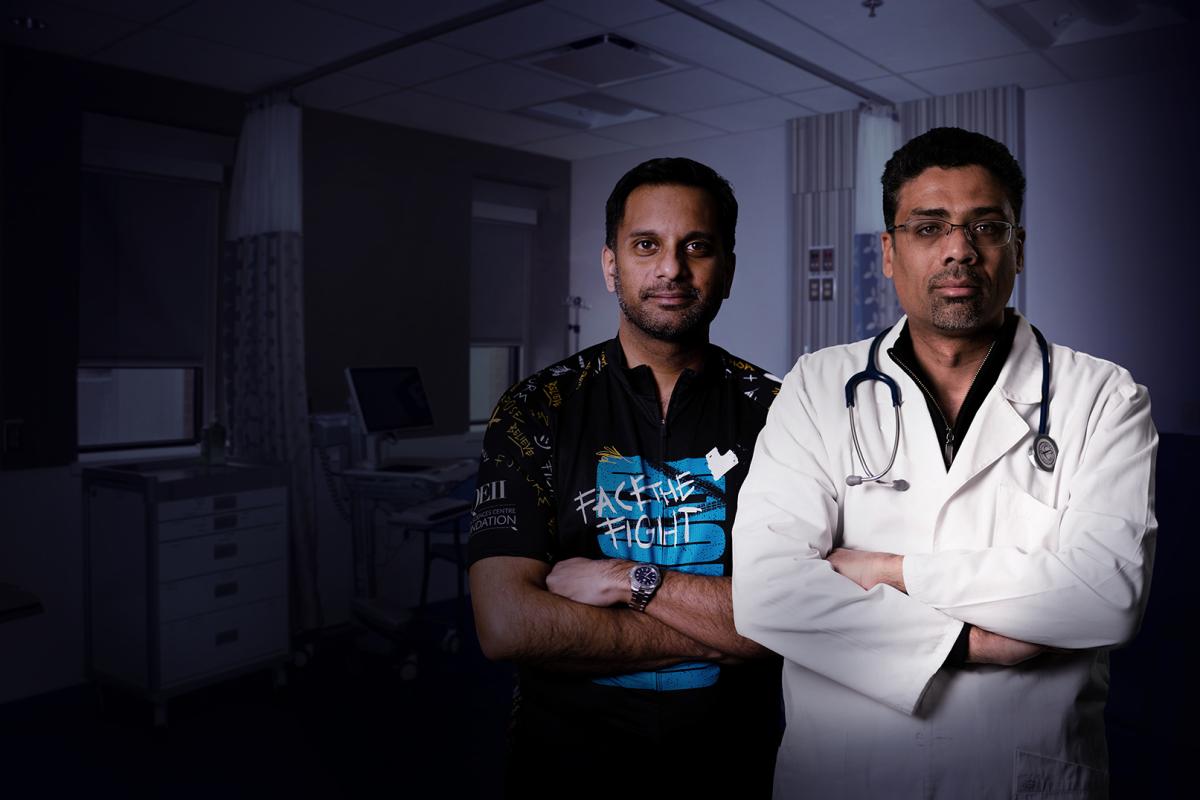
1043 453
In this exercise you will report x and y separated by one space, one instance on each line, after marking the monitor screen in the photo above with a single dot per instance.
389 398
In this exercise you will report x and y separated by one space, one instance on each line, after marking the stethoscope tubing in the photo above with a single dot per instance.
1044 452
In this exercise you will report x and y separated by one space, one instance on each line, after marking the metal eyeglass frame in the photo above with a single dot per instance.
966 228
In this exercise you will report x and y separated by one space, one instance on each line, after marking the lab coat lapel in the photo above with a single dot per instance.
1000 426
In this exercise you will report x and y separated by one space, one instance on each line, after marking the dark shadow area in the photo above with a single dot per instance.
347 724
1152 692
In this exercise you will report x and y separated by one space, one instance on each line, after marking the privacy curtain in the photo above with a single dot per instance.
873 299
262 326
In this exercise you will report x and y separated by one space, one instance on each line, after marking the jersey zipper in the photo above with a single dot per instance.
948 443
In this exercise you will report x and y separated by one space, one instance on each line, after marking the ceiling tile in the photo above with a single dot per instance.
414 109
763 113
134 10
577 146
278 28
502 87
612 13
198 61
416 64
812 45
660 130
827 100
1028 71
909 36
894 88
692 41
1143 51
691 90
404 17
339 90
522 32
68 31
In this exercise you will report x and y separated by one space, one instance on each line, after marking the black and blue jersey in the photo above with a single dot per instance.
578 461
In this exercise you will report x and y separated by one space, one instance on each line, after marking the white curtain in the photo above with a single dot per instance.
262 330
874 303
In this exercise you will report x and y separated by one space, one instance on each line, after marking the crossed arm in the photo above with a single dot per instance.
869 569
790 585
567 621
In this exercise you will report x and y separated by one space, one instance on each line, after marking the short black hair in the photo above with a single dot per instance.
948 148
674 172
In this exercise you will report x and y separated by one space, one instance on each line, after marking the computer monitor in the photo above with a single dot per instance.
389 399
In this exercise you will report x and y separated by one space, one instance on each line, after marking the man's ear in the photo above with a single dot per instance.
887 245
608 265
1020 245
730 266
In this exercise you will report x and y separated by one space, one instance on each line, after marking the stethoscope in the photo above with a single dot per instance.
1043 453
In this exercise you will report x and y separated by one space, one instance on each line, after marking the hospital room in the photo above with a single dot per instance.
302 303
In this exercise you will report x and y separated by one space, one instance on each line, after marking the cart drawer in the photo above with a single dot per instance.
197 646
220 553
221 523
220 503
204 593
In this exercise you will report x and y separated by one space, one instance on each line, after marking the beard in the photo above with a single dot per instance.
957 314
669 326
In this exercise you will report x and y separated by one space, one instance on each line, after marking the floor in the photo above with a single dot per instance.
347 724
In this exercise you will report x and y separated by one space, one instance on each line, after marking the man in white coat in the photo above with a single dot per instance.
945 628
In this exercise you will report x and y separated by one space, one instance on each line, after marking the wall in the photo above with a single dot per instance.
753 323
1111 204
387 236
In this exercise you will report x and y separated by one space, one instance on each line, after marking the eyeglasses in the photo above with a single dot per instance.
980 232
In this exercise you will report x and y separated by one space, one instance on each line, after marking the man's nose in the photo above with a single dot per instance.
673 264
957 246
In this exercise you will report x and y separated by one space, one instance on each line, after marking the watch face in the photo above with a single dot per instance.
646 576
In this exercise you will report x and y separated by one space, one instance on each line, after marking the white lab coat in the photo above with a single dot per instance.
1062 559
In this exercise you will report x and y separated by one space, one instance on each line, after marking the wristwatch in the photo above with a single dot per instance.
644 580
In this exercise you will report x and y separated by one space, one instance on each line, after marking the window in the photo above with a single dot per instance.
493 369
138 407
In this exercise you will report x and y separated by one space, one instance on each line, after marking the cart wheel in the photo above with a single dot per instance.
409 668
301 657
101 700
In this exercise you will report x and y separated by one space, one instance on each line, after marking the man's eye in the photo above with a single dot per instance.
928 229
643 245
699 248
987 228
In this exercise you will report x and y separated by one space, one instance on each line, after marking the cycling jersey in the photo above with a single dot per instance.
579 461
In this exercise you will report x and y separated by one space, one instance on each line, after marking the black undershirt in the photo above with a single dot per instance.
902 353
906 358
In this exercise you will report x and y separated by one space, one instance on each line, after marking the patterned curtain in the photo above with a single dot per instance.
262 327
874 305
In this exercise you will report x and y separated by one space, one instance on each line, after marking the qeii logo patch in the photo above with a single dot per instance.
492 491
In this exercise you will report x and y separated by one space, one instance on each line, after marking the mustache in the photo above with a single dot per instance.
957 275
671 288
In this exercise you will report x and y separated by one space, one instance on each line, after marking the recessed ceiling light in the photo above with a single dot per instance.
588 111
29 23
602 61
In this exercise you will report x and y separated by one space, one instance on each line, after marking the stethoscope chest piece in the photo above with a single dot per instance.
1044 453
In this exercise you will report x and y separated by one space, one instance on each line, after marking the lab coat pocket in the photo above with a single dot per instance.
1037 777
1024 521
